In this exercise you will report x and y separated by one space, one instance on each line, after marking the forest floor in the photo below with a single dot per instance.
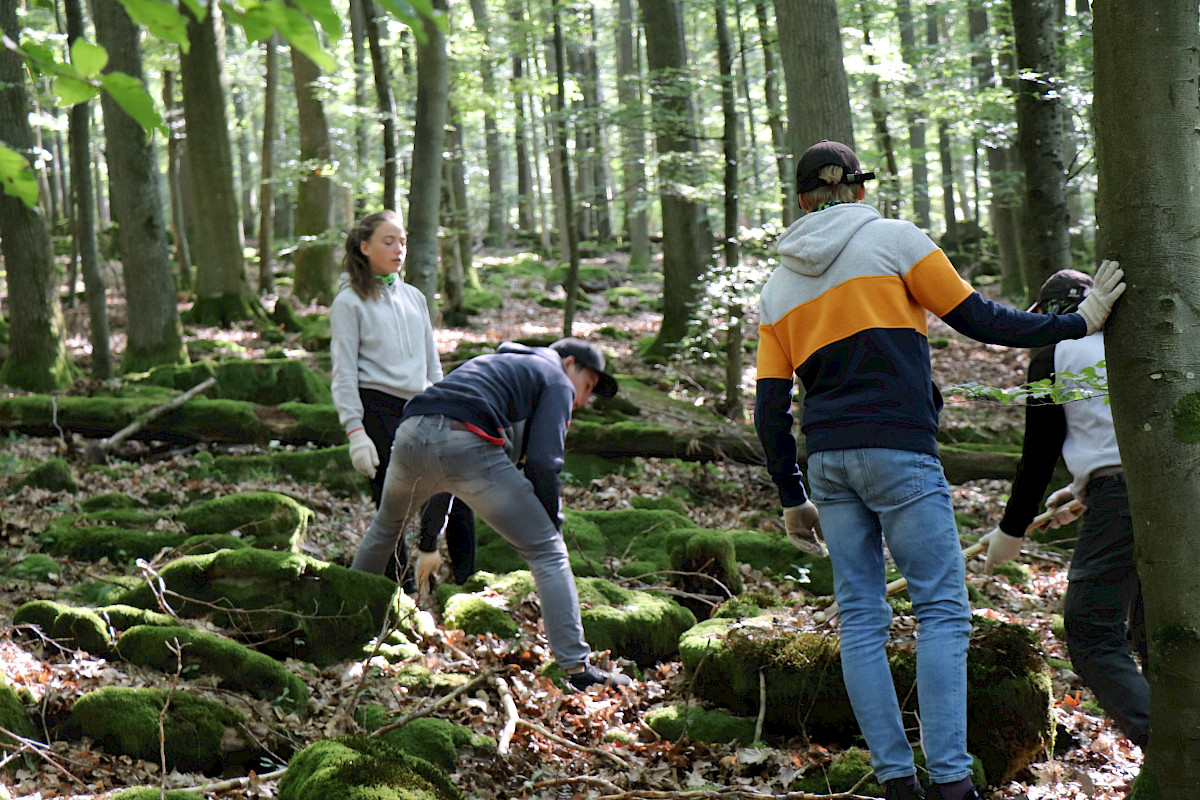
1093 759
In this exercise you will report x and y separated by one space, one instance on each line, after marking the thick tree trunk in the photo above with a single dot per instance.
425 192
155 331
85 213
1046 239
453 276
779 141
314 205
362 140
458 189
633 139
37 354
497 230
687 246
386 103
223 295
244 121
914 116
1148 212
818 99
266 192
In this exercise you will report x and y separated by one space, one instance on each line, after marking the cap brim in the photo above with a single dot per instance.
606 386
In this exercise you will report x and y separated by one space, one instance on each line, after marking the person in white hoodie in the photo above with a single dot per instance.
1102 610
384 353
845 313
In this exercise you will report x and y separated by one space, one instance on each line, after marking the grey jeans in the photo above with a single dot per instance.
428 457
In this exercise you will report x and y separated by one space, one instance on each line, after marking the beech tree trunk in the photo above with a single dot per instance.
779 140
1047 242
914 117
154 327
314 204
85 213
687 239
520 46
633 139
425 192
818 98
266 192
386 103
1148 214
37 354
497 230
223 294
175 143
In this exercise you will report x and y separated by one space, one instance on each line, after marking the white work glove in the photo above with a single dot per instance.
803 525
1107 286
1058 502
363 454
1001 547
428 565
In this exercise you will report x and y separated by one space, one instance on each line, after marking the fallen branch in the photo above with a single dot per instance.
595 751
98 452
39 749
246 781
429 709
510 717
762 706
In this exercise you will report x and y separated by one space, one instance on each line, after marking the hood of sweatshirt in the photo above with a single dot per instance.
812 242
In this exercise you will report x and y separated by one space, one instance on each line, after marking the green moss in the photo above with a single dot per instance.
94 542
261 381
78 627
663 503
330 467
110 501
1017 574
122 618
676 721
34 567
236 665
704 557
437 741
275 521
126 721
13 716
154 793
748 604
315 423
284 604
841 775
477 615
362 768
54 476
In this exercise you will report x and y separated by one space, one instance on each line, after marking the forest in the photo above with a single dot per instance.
180 506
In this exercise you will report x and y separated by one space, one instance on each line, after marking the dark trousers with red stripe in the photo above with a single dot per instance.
443 513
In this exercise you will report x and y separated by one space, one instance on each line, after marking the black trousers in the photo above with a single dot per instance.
443 513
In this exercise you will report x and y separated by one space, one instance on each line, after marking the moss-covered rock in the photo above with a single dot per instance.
662 503
705 725
284 604
263 381
54 476
642 626
329 467
196 731
275 521
110 501
1008 689
362 768
438 741
13 716
236 665
81 628
82 540
33 567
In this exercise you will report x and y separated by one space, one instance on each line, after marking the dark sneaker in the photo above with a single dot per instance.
907 788
954 791
594 676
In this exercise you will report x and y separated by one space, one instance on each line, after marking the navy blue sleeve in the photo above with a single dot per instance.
1045 432
773 421
546 437
995 323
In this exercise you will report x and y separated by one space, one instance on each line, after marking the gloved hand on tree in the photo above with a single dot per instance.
1107 286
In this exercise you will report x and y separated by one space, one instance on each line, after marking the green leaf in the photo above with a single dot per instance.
197 7
71 90
38 56
129 92
410 13
323 12
161 18
257 25
88 58
298 30
17 178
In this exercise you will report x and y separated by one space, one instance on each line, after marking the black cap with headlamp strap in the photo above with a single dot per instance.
823 154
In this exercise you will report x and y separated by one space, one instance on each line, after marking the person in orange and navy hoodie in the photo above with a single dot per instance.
845 312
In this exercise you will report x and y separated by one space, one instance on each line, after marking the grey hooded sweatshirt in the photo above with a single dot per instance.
385 344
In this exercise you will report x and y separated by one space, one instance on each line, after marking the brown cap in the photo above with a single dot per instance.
823 154
1062 292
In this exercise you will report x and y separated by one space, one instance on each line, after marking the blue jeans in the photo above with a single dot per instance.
428 456
1103 609
866 496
